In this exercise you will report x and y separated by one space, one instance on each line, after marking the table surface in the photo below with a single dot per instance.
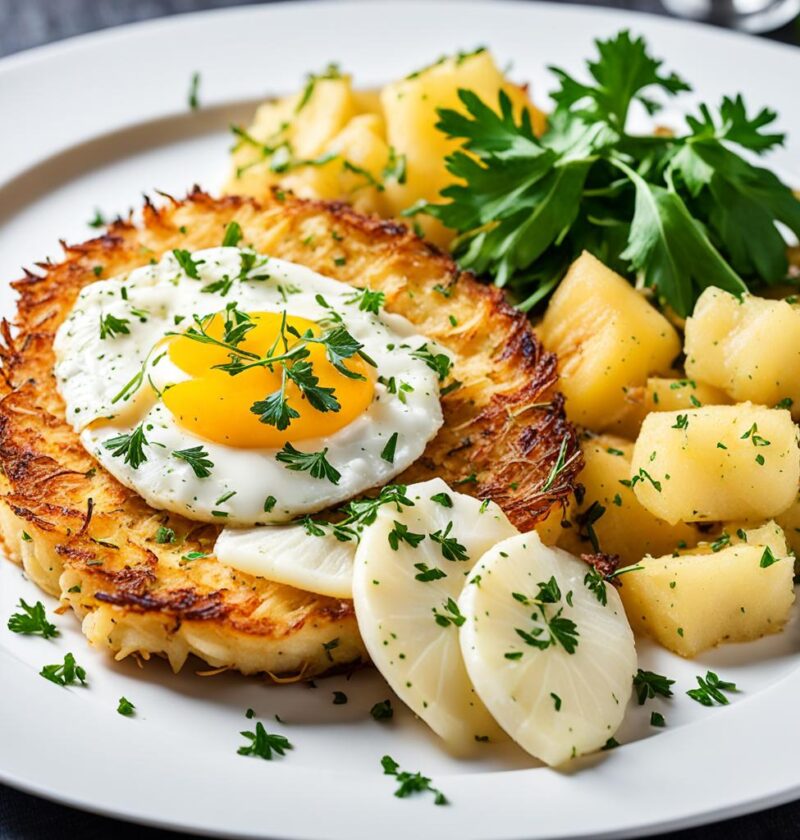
29 23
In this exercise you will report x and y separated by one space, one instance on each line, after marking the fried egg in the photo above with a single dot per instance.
236 388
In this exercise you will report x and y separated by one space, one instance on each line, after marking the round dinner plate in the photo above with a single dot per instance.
92 123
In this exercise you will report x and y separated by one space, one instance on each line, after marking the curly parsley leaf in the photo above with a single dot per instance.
111 326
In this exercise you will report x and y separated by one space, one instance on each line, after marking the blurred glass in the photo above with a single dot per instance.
748 15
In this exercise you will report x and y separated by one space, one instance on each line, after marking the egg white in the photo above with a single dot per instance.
92 373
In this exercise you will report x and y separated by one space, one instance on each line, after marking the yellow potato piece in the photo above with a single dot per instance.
625 527
749 348
608 339
702 598
410 106
717 463
664 394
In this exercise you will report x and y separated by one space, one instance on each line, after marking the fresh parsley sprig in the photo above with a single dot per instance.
314 463
410 783
129 447
32 621
197 458
263 744
549 629
680 211
64 673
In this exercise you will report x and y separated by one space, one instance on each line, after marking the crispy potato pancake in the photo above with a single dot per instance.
84 537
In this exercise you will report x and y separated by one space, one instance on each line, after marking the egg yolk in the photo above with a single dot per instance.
215 405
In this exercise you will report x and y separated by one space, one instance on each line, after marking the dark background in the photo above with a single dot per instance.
29 23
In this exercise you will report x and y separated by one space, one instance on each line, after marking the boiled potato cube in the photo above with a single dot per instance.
299 127
663 394
624 527
702 598
717 463
361 145
608 339
789 520
750 347
410 105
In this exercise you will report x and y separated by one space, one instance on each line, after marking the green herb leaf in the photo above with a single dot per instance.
410 783
197 458
66 673
382 710
233 235
648 684
129 447
314 463
263 744
32 621
125 707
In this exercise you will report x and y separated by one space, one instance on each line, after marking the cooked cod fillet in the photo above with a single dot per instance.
85 538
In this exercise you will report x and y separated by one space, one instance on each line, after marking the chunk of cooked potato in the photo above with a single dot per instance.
289 130
789 520
410 109
717 463
663 394
608 339
622 525
719 592
750 347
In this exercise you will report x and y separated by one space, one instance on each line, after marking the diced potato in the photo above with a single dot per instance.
717 463
625 527
409 107
361 144
608 339
662 394
702 598
749 347
305 131
789 520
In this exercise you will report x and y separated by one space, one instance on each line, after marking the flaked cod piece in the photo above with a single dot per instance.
85 538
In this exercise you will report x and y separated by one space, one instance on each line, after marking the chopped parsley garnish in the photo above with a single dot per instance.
648 684
233 235
367 300
767 558
129 447
437 362
329 646
125 707
557 630
194 555
610 744
400 533
66 673
263 744
389 450
314 463
681 422
111 326
556 701
194 90
711 690
164 535
186 262
410 783
395 169
452 549
677 209
451 615
657 719
197 458
32 621
98 220
332 71
442 499
596 582
382 710
269 504
358 513
426 573
339 698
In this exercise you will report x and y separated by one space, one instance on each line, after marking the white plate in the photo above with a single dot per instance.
95 121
